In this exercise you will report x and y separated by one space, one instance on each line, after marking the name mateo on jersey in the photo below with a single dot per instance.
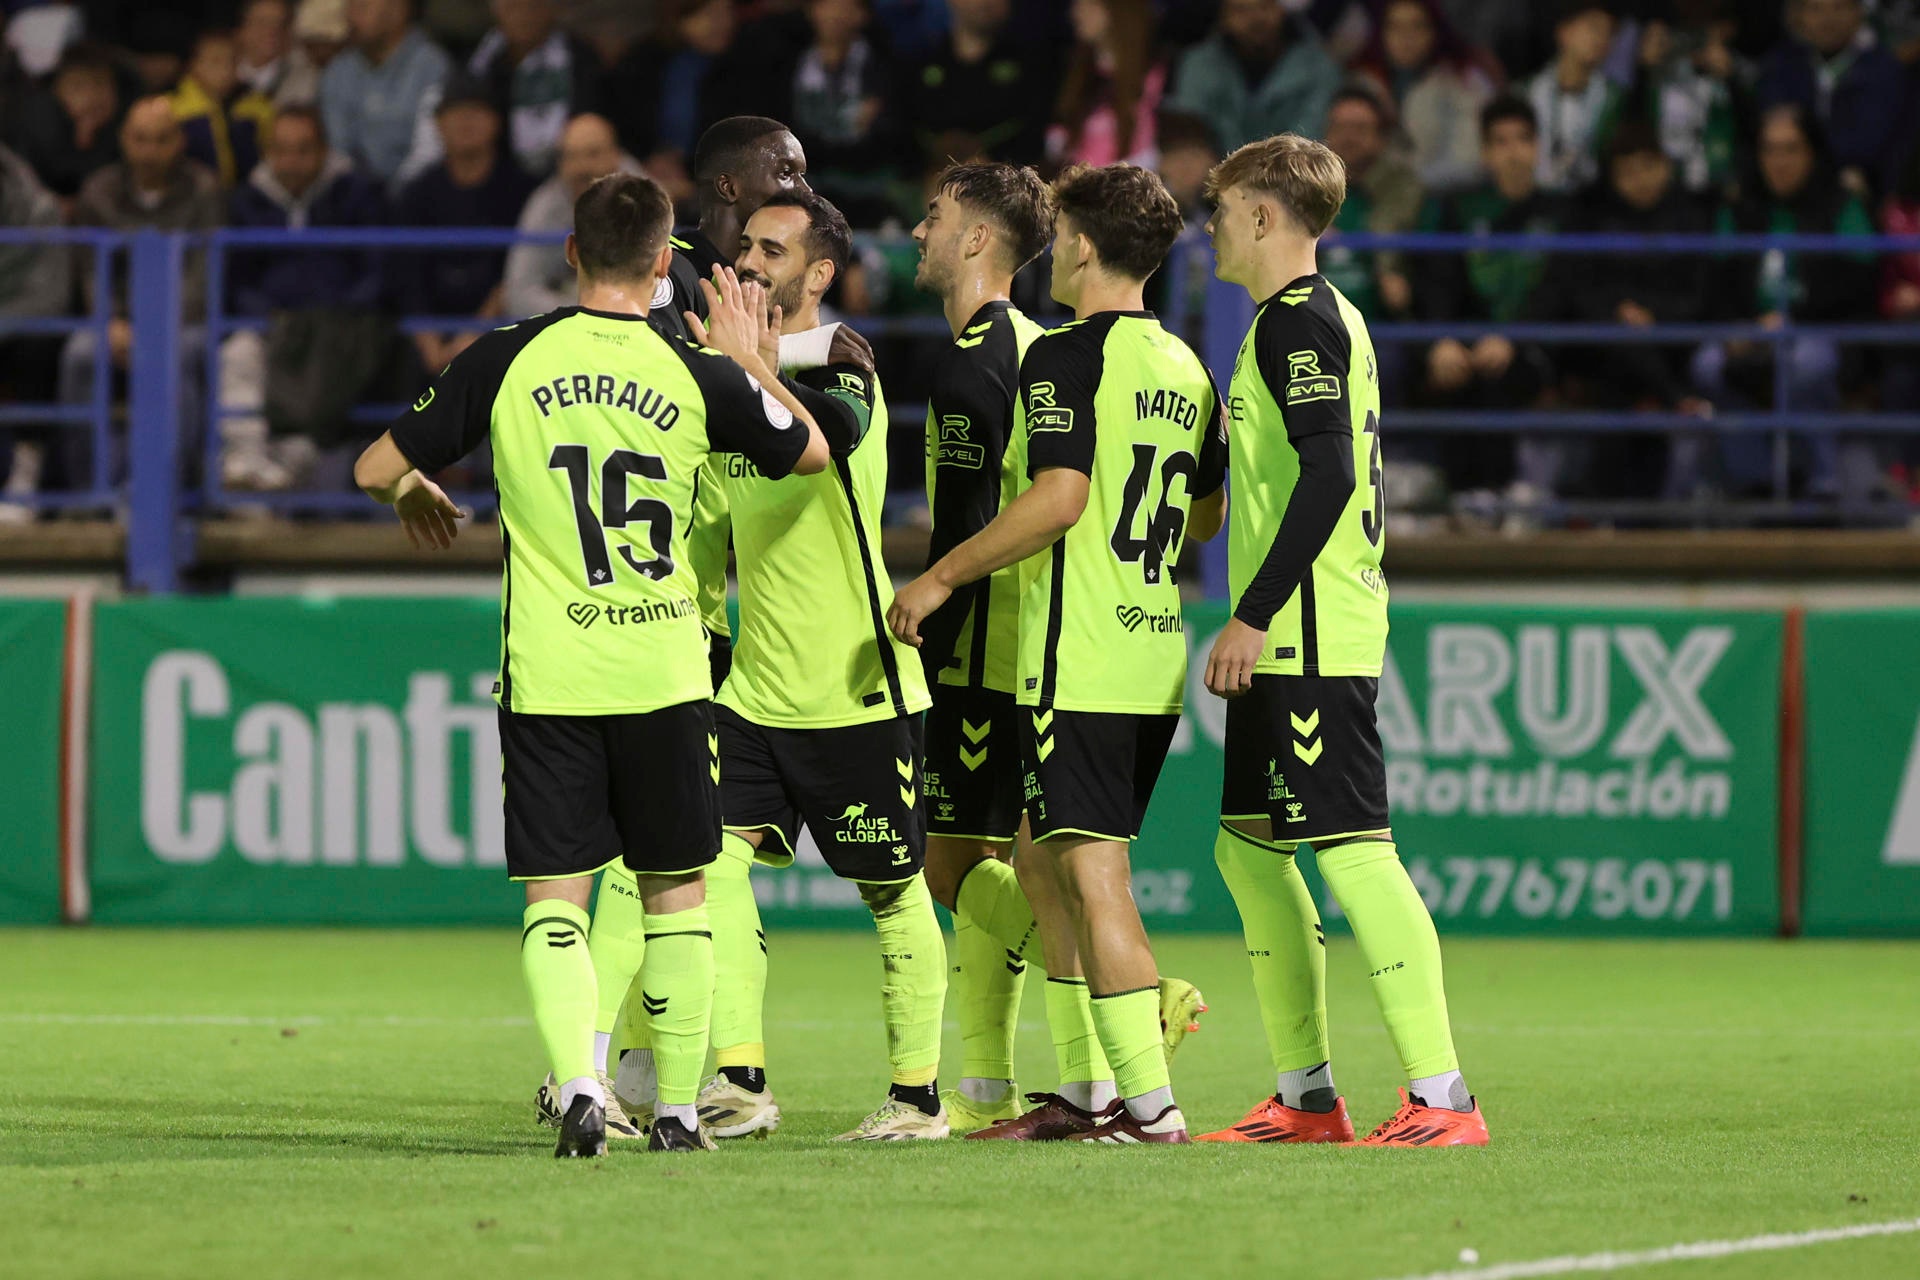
567 392
1170 405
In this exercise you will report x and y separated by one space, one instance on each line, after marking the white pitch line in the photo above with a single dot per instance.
1611 1261
240 1020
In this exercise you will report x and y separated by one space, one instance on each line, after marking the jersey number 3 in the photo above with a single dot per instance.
1164 524
615 511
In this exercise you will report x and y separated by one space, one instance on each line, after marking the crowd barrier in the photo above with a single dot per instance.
1553 771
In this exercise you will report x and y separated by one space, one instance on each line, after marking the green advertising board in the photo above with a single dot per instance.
1863 773
1578 771
33 642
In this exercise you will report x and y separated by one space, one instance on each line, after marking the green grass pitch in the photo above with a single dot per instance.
359 1104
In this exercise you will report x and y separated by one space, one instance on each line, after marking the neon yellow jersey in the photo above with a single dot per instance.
1309 347
599 424
1117 397
972 473
813 650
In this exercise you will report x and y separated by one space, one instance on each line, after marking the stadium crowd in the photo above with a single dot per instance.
1465 115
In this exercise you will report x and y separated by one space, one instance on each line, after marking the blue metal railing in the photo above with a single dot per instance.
158 498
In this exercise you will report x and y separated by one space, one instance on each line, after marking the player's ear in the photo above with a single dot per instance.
978 239
820 276
726 188
662 261
573 252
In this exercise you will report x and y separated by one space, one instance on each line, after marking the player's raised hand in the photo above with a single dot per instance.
911 606
1230 665
428 515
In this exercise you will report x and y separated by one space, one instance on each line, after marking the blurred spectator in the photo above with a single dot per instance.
1640 196
538 277
1260 73
1900 301
270 63
320 31
155 185
911 29
156 34
223 119
1797 193
838 112
300 184
1437 84
40 33
372 95
538 76
1575 104
1696 89
33 282
476 185
666 88
1497 287
67 130
1838 72
981 92
1112 87
1509 30
1383 196
1187 155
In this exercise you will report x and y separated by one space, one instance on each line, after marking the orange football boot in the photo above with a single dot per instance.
1414 1125
1270 1121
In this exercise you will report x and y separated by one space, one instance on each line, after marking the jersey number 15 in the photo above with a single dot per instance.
615 511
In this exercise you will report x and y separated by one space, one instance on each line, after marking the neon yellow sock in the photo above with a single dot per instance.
676 987
739 955
1076 1045
991 897
1285 945
559 973
987 981
1402 951
1128 1024
617 941
914 988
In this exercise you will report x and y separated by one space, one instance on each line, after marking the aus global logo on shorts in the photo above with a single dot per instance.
853 826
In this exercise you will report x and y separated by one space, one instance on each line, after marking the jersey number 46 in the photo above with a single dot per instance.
1165 522
615 511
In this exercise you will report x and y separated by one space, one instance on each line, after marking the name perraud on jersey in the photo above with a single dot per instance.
605 389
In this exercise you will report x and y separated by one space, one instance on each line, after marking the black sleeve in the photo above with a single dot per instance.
840 398
742 417
1058 380
971 416
1319 498
1210 473
1304 355
452 416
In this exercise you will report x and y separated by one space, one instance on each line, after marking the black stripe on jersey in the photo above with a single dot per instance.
880 633
1309 628
977 647
506 604
1050 660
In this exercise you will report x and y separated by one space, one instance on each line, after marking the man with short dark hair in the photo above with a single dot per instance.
819 717
538 75
1301 660
374 95
1575 106
1383 197
599 425
1839 73
1120 431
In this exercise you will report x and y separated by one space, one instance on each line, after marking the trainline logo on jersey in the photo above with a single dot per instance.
336 784
585 615
1133 617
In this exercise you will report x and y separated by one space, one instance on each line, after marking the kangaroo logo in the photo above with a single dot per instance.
854 813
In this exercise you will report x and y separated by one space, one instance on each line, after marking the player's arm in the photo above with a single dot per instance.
840 398
1207 513
1057 384
1320 427
444 425
737 326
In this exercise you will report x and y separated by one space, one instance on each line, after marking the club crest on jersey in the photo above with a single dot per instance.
662 293
1305 382
1042 413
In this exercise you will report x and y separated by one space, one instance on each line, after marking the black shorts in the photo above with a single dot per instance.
583 792
719 658
973 764
1304 752
856 787
1091 773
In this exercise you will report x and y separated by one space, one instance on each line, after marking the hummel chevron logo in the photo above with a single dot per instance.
904 768
1309 747
973 759
1044 749
562 940
907 795
974 336
1043 720
975 732
1294 297
654 1005
1309 751
1308 727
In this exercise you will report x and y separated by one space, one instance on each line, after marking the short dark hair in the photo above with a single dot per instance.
1568 10
828 235
1366 98
1634 137
724 146
1125 210
1012 197
301 111
1508 107
620 224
